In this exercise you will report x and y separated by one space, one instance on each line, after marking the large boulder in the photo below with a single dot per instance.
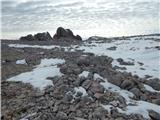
28 38
45 36
62 33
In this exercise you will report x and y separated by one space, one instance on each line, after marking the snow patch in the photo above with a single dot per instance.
33 46
127 50
149 88
38 76
133 106
84 74
21 61
69 49
82 90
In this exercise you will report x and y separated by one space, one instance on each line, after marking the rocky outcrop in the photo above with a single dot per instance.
45 36
66 34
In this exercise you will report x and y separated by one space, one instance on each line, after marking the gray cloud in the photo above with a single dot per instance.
48 14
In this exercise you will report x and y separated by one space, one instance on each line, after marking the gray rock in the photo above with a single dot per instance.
83 61
156 101
112 48
66 33
45 36
70 69
127 84
136 92
32 60
86 84
61 116
122 62
97 88
67 98
114 113
116 79
28 38
154 115
99 114
154 83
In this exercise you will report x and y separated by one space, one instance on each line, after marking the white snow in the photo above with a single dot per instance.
84 74
23 61
69 49
97 76
142 108
130 50
33 46
134 49
133 106
38 76
149 88
82 90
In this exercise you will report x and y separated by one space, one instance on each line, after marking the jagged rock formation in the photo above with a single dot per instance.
45 36
62 33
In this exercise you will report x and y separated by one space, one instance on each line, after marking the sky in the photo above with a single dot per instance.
85 17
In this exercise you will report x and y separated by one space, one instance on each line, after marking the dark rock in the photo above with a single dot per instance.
157 47
122 62
112 48
32 60
120 68
70 69
28 38
66 33
136 92
156 101
67 98
116 79
86 84
127 84
79 81
45 36
154 115
83 61
121 100
99 114
154 83
114 113
78 37
79 94
106 98
97 88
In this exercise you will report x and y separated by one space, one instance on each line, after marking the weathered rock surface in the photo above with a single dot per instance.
66 35
37 37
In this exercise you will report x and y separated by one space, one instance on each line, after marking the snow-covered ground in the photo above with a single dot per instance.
38 76
133 106
139 50
69 49
132 50
23 61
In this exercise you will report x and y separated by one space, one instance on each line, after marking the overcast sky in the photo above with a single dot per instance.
86 17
